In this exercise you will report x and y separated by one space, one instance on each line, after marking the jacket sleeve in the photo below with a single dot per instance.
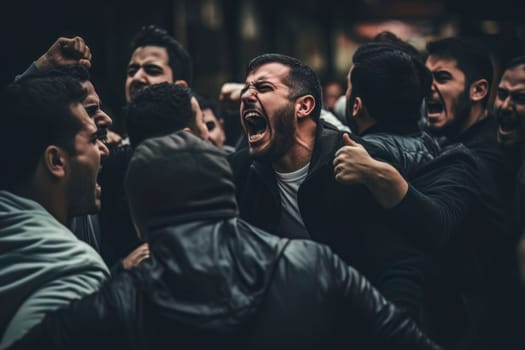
106 319
438 199
358 299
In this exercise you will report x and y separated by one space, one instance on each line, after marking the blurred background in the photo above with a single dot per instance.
223 35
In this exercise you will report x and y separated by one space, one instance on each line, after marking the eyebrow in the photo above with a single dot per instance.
257 82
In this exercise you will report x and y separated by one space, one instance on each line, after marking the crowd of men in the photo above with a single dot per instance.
400 228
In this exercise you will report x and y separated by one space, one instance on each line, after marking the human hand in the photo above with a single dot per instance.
352 163
65 51
136 257
231 92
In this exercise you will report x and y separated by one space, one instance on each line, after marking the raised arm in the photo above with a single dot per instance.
64 51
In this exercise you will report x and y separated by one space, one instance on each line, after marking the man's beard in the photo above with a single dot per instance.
283 135
81 192
455 127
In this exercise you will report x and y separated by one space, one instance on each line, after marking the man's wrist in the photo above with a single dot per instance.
386 184
42 62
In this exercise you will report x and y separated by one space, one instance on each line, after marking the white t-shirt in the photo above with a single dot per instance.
291 223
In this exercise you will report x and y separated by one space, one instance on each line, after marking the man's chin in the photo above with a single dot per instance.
434 129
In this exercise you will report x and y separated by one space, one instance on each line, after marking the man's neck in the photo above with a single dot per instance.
46 197
477 114
300 153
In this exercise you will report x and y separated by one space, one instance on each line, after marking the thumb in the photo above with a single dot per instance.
347 140
85 62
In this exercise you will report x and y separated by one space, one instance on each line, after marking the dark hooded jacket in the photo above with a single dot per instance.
215 281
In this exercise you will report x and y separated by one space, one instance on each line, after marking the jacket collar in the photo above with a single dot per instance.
327 141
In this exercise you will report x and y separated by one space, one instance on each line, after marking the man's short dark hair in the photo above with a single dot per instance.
391 82
389 37
178 58
77 71
204 102
514 62
158 110
302 80
471 57
36 114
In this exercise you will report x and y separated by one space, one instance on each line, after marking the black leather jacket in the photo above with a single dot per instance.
407 153
215 281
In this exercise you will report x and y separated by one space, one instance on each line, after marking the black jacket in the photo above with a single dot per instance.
215 281
347 218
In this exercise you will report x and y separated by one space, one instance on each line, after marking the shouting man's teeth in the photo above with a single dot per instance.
256 126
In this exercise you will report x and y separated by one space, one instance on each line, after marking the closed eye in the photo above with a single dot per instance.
519 98
132 69
263 87
153 70
92 110
442 76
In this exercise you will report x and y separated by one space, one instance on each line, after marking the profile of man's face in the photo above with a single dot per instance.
215 128
199 125
83 190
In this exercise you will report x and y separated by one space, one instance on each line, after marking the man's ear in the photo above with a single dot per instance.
357 107
304 106
55 161
181 82
478 90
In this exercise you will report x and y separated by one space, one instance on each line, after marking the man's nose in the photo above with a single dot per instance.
103 120
433 87
140 75
507 103
249 93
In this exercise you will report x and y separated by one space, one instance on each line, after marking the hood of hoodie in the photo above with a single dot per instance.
208 269
178 178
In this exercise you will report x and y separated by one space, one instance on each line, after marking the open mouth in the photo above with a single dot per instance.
508 123
434 106
256 126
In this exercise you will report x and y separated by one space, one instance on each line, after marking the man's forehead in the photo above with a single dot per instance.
208 114
435 62
514 76
92 96
268 71
149 53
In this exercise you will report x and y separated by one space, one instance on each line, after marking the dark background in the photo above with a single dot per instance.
215 34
